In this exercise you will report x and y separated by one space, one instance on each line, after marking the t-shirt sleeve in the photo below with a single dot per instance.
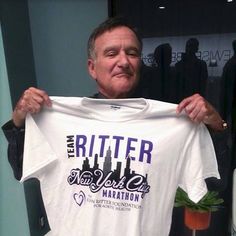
37 151
199 163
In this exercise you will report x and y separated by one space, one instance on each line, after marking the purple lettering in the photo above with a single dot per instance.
130 147
146 148
80 144
91 146
103 139
117 145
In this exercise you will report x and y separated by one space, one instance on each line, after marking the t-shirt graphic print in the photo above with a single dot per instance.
112 167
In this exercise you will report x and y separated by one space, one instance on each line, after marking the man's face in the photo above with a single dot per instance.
116 63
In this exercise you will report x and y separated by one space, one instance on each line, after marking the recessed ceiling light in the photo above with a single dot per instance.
229 0
161 7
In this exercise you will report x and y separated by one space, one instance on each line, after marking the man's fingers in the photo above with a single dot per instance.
39 96
32 101
182 105
188 104
195 107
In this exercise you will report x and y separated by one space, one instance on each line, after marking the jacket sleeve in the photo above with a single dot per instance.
15 138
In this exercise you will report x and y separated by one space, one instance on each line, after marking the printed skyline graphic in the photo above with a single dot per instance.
107 167
119 179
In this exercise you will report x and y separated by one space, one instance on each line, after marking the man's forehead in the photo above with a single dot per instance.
119 34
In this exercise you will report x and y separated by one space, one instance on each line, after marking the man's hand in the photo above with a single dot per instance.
199 110
31 101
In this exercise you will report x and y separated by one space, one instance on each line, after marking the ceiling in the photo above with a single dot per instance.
180 17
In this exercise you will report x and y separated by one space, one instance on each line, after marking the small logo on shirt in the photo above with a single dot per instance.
114 107
79 198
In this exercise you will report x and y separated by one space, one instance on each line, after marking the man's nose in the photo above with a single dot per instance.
123 60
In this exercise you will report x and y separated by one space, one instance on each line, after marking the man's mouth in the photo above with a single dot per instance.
119 75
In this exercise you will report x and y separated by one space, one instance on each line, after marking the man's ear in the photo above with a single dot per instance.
91 68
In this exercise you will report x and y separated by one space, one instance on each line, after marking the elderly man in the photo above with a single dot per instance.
114 60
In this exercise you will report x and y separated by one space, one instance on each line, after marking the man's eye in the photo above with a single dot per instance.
111 53
133 53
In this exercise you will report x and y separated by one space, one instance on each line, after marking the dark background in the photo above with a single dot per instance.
180 17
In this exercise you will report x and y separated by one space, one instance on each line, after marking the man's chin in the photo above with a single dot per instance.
123 91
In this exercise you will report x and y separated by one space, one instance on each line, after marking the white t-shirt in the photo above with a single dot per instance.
112 167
